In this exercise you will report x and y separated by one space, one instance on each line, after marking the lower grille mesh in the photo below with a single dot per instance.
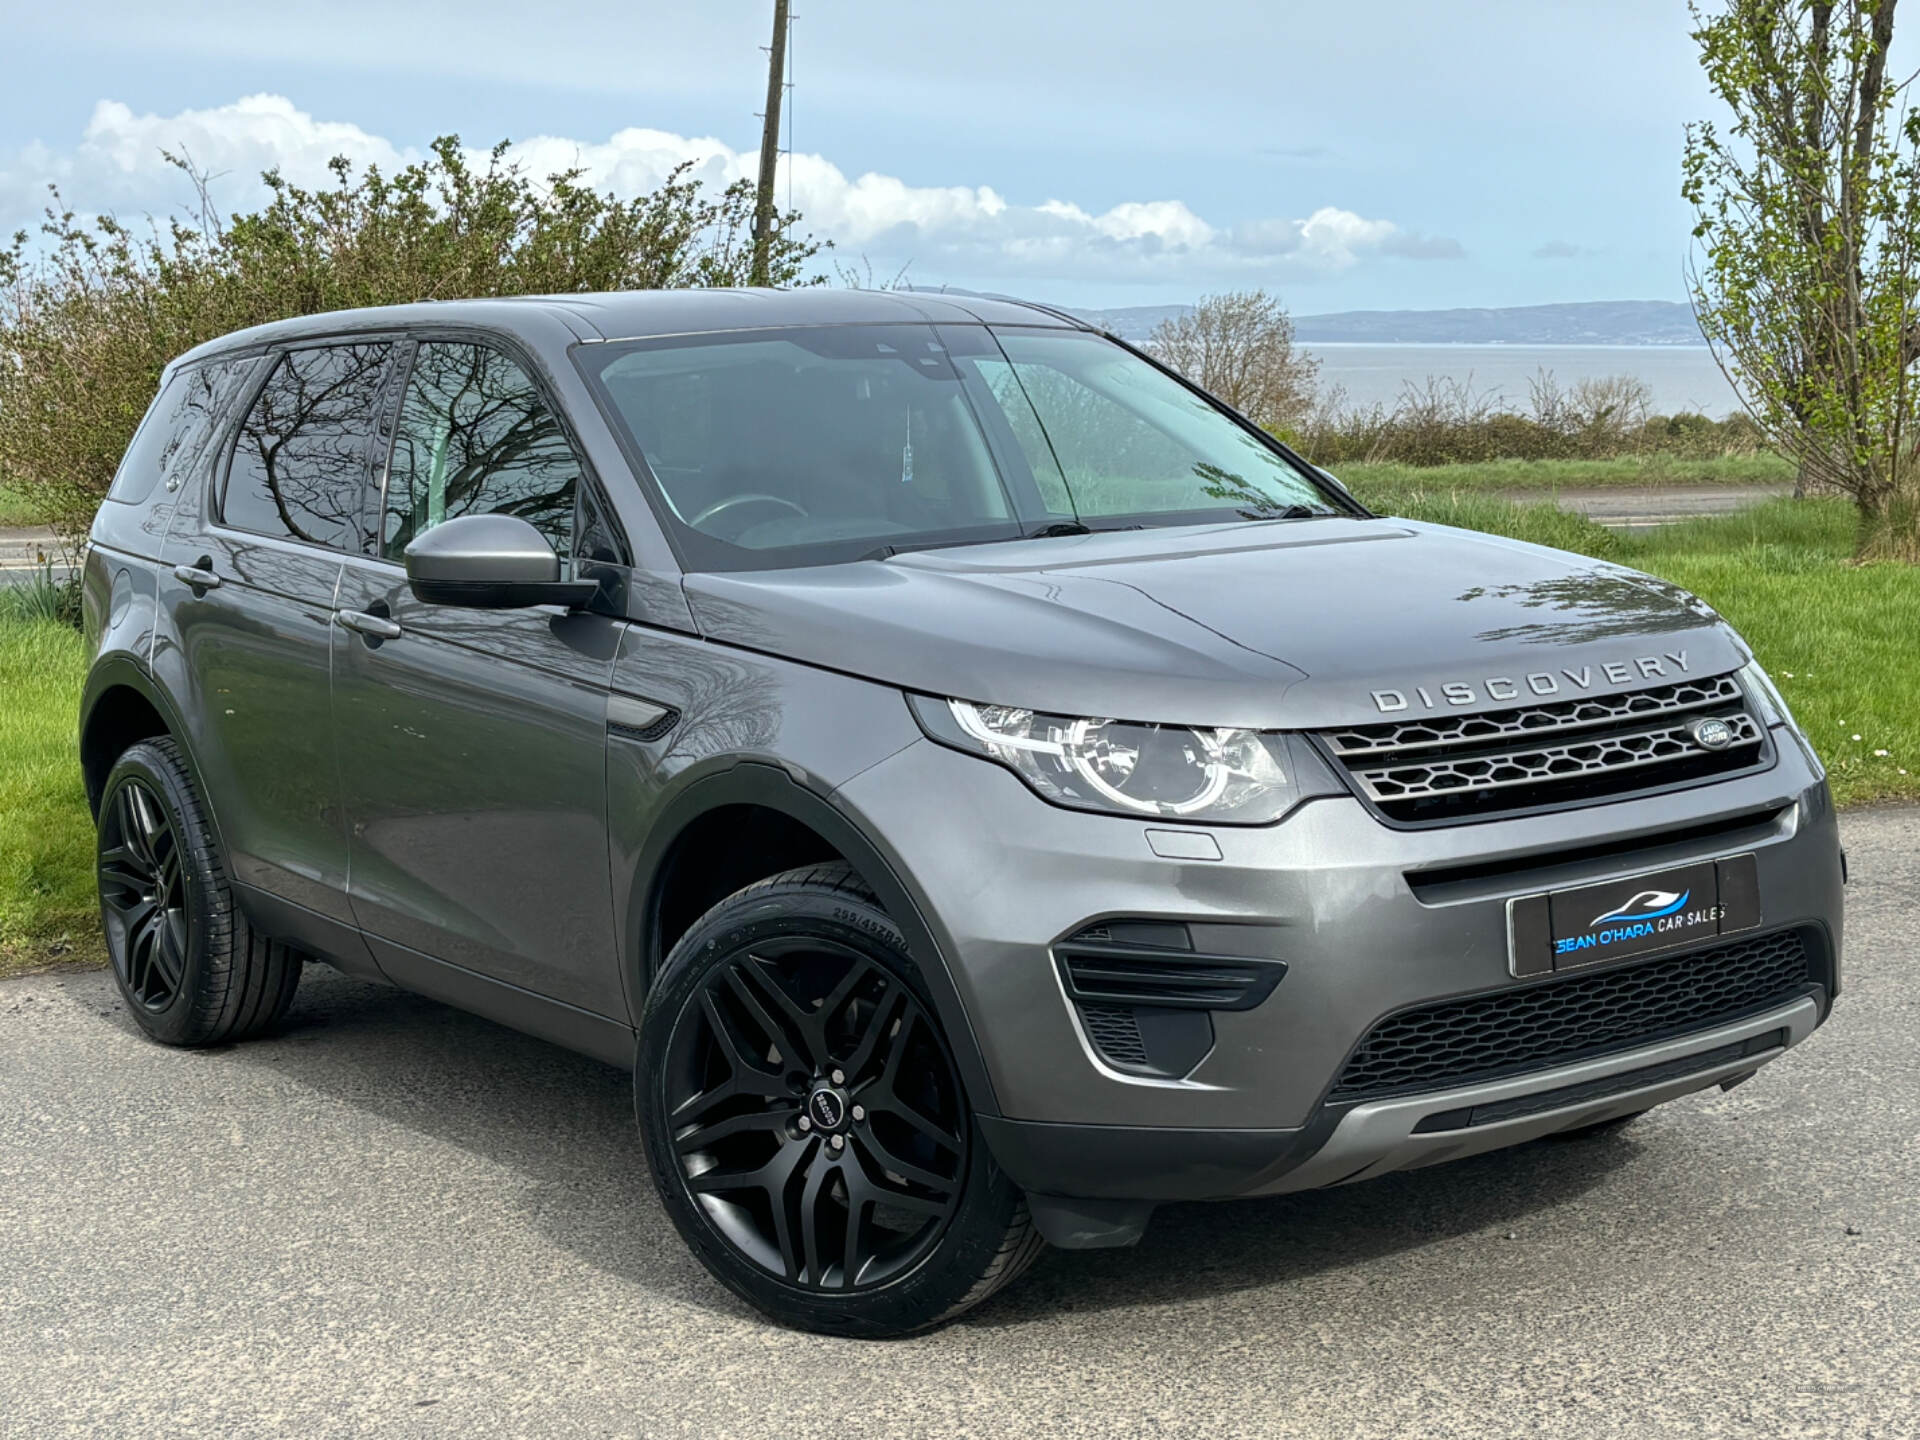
1115 1033
1535 1027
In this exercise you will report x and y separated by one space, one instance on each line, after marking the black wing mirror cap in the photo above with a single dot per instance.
490 562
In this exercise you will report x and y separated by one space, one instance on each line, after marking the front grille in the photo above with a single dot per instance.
1462 767
1556 1022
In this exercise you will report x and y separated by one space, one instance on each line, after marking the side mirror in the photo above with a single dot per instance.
490 562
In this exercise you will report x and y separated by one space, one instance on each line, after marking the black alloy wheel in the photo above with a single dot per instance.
816 1114
143 896
806 1123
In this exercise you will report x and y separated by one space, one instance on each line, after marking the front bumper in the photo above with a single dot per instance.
1001 877
1361 1142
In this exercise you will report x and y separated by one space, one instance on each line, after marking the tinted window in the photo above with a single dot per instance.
179 424
139 468
805 437
1123 440
819 445
300 464
475 438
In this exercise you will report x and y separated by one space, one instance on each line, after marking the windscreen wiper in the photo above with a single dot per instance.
1292 512
1075 527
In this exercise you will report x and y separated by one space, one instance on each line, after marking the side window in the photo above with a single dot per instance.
300 464
475 438
140 467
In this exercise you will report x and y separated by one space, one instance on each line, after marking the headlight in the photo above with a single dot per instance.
1773 710
1760 685
1169 771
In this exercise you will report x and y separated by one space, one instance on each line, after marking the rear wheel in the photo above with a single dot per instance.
190 967
805 1122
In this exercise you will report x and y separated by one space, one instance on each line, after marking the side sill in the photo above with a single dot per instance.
566 1025
341 946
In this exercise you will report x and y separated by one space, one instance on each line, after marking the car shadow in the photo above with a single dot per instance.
565 1123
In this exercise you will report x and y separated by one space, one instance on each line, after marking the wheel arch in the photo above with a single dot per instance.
770 787
120 707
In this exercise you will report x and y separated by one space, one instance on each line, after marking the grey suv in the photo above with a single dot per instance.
980 785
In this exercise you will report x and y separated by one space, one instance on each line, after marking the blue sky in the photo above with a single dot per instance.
1378 155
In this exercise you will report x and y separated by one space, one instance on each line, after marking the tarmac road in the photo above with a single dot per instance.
395 1219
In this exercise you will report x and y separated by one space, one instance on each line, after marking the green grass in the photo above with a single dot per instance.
1525 475
47 905
14 509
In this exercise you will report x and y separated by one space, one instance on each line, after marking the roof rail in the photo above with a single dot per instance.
1077 321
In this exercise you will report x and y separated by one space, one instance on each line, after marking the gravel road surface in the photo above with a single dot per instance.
394 1219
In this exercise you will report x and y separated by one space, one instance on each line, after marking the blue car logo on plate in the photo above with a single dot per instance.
1647 905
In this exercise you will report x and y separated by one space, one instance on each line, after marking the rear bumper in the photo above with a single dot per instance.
1375 1138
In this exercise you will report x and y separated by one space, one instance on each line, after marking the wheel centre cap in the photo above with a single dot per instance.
827 1108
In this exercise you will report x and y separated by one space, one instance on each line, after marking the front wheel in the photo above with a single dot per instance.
805 1123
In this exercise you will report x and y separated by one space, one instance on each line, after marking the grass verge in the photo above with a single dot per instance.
1548 475
47 907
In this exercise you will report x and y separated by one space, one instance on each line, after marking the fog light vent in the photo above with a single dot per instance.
1144 994
1153 962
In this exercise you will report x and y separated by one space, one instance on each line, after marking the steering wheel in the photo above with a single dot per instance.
753 497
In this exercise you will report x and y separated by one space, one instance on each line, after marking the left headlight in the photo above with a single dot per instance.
1774 711
1760 685
1174 772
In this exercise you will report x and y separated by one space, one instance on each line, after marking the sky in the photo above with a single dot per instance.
1378 155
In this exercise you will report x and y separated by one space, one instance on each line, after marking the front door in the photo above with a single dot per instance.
472 743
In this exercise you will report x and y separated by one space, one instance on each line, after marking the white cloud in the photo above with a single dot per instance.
945 232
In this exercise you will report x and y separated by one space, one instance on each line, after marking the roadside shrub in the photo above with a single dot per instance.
41 597
90 316
1444 420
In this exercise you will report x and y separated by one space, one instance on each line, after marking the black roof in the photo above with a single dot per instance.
638 314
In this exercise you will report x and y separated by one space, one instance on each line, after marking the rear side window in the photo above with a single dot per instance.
180 424
299 468
475 438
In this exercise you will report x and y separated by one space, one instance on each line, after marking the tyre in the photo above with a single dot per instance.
805 1122
190 967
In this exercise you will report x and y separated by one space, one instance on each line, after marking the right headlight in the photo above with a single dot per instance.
1171 772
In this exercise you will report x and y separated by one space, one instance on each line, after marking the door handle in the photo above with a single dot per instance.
198 576
374 627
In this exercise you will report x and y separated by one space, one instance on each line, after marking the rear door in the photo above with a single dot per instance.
249 582
472 743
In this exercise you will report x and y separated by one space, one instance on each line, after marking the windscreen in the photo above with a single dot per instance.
824 444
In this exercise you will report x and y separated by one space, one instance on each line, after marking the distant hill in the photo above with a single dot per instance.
1590 322
1595 322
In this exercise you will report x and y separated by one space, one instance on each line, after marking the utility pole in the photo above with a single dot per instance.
769 147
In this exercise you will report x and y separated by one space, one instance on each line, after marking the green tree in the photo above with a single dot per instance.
91 314
1808 223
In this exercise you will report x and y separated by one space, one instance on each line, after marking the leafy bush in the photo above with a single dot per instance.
89 318
41 598
1445 421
